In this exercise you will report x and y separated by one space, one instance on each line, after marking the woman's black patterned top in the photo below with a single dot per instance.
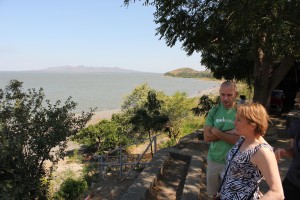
242 177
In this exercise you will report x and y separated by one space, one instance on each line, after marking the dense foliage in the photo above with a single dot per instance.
141 107
178 109
32 131
256 41
71 189
149 119
189 73
204 105
99 137
136 99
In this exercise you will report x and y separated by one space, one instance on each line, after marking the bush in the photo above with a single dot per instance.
169 143
33 131
244 89
71 189
192 124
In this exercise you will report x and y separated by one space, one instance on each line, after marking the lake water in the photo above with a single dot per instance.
102 90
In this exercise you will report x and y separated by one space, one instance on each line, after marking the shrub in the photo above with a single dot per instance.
71 189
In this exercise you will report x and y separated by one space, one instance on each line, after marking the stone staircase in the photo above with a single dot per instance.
156 181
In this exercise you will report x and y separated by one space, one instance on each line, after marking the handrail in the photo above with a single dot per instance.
140 158
102 163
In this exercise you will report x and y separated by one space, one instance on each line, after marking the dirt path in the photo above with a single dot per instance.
110 189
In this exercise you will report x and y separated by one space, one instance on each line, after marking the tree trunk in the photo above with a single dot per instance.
268 75
150 140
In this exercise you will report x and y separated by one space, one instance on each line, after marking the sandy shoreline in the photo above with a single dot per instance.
106 114
210 91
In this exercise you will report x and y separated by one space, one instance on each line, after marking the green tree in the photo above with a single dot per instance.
204 105
256 41
135 99
124 129
103 136
178 108
149 118
32 131
107 134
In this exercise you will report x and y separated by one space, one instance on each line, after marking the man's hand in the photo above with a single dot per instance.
208 135
230 136
232 131
215 131
278 153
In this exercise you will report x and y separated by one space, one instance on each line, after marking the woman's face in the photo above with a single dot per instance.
242 125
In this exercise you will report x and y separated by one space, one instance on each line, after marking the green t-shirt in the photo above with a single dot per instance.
222 119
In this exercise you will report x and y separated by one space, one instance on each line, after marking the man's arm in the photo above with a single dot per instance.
208 136
228 136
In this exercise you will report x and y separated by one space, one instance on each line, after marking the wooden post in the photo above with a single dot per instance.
100 160
154 144
121 160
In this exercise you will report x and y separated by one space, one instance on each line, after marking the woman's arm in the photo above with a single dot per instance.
266 162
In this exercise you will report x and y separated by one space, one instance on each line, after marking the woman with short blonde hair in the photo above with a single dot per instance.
255 114
251 159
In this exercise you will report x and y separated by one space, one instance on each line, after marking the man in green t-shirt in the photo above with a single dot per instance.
220 133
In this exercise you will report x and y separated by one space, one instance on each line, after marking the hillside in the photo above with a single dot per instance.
84 69
189 73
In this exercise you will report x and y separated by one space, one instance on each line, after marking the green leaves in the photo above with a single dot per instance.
32 130
253 41
204 105
149 117
71 189
101 137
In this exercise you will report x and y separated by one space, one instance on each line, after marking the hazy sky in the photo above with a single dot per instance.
37 34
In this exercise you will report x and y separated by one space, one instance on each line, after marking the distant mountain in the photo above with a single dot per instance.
84 69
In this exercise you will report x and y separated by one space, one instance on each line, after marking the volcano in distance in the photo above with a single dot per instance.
84 69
